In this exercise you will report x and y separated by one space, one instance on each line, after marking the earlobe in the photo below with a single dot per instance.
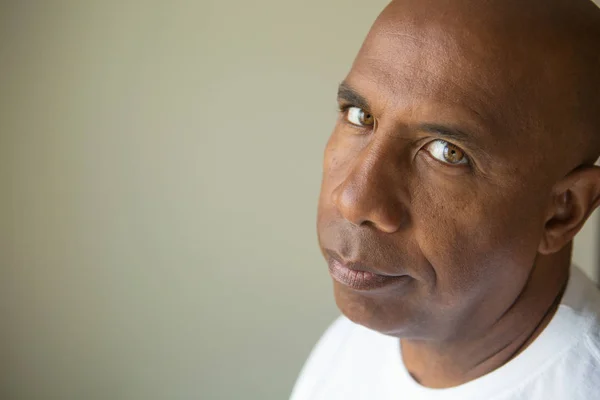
575 198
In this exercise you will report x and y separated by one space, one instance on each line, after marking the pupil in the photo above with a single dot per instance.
451 154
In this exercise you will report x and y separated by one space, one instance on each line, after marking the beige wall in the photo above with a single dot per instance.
160 167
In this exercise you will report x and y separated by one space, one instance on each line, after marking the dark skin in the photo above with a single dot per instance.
462 161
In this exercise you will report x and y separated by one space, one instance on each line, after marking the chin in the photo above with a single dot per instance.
375 311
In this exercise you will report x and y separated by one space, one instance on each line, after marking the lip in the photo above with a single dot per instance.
361 280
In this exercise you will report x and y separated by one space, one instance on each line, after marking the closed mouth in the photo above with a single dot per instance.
360 279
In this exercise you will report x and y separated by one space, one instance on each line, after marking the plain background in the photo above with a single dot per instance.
160 165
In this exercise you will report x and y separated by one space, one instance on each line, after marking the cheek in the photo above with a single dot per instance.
328 182
338 154
475 240
337 161
334 164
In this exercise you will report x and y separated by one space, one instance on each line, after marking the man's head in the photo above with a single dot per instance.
462 157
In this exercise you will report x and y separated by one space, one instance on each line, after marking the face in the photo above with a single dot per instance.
429 214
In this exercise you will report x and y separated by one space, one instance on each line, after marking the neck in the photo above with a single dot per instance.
448 364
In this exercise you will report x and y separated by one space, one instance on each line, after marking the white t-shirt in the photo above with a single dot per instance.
352 362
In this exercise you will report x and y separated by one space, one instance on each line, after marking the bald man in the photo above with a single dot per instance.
459 171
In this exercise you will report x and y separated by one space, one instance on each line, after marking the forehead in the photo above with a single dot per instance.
406 61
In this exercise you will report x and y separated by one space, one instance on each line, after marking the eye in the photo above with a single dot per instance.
446 152
357 116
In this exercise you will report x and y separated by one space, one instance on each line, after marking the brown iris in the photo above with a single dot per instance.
366 118
453 154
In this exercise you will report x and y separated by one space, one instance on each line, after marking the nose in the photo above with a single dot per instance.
370 193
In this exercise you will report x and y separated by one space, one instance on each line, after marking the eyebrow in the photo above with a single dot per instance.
446 131
349 95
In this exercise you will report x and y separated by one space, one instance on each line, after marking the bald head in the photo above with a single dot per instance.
537 60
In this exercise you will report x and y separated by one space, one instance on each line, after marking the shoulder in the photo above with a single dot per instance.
582 300
330 344
581 364
322 356
337 355
592 343
579 369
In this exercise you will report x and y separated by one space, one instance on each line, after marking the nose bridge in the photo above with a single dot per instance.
370 191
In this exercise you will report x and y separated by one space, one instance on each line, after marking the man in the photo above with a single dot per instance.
459 171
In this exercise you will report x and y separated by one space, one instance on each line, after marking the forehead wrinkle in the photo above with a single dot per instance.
445 61
394 89
454 65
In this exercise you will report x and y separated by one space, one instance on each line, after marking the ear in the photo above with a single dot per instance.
573 200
